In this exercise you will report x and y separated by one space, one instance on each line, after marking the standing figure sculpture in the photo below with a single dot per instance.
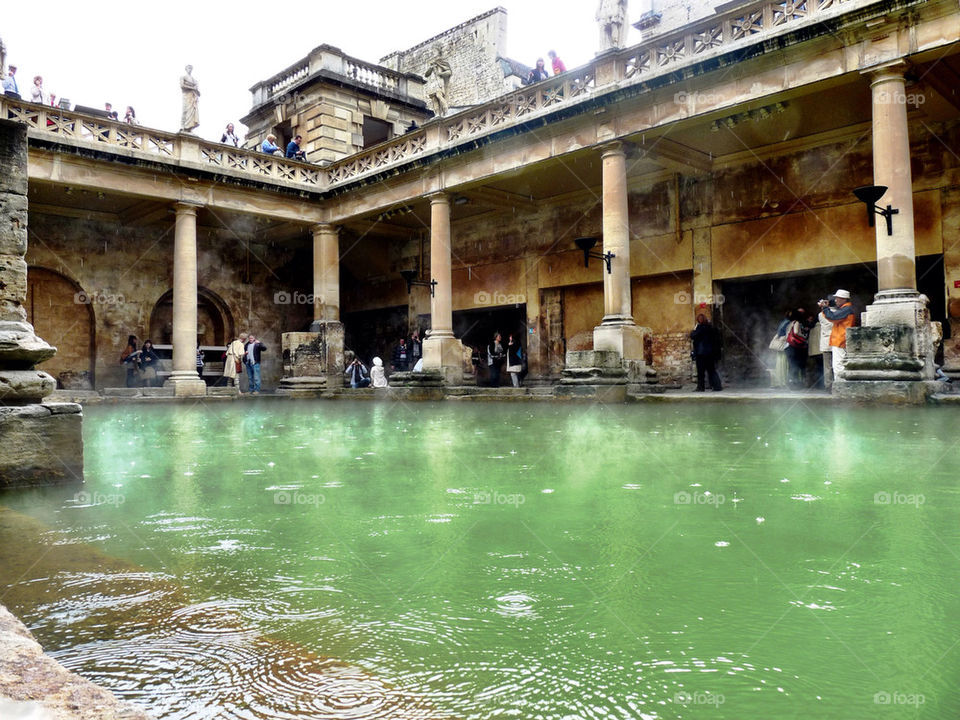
612 16
438 79
190 116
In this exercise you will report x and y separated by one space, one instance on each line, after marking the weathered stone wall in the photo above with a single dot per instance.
472 49
674 14
123 271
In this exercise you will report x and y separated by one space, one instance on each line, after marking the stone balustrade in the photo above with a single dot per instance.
176 148
662 55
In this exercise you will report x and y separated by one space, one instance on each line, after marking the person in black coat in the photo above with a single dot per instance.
706 352
401 356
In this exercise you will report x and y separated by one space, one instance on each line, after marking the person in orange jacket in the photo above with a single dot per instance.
842 316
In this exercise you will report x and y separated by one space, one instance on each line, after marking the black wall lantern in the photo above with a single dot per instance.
869 194
586 244
410 277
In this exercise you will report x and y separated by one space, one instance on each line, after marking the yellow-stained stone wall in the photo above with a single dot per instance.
124 271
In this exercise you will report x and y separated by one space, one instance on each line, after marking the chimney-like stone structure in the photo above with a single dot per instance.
40 444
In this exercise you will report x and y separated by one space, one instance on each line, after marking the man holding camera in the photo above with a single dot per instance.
842 316
357 373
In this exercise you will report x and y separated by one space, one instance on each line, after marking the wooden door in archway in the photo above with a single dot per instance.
56 309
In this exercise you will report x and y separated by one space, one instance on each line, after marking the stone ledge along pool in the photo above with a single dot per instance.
349 560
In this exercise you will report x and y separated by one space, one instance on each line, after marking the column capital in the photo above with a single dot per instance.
185 207
885 72
439 197
613 148
330 228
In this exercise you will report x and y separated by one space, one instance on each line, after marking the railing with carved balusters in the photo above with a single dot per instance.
724 32
369 74
156 144
754 23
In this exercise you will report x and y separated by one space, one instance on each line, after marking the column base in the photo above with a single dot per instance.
317 355
617 341
896 341
186 383
891 392
444 352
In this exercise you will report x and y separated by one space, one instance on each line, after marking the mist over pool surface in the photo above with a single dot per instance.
342 560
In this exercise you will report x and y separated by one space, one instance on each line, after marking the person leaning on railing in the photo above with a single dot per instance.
269 146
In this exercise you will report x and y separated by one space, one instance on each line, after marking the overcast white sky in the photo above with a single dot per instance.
134 53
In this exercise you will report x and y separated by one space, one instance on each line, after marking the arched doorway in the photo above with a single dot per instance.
214 320
62 314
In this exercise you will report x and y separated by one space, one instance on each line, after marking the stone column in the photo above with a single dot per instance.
891 167
184 379
441 350
894 349
313 361
41 442
326 275
617 332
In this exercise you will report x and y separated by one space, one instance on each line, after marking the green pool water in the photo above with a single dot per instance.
341 560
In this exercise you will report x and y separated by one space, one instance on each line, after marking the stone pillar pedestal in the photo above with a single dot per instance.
444 353
890 358
312 361
184 379
40 444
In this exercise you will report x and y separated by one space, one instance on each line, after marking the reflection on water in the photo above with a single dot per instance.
343 561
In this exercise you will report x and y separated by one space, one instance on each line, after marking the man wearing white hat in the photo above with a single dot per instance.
842 316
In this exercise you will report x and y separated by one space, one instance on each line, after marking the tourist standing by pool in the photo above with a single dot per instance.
251 354
842 317
130 358
781 365
495 358
514 359
232 360
401 356
706 352
416 347
797 344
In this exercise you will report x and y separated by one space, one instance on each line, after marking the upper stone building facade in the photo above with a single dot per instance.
476 51
341 105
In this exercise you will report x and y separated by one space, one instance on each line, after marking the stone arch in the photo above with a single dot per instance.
62 313
215 324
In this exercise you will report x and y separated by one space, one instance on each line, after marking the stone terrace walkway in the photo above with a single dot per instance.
462 393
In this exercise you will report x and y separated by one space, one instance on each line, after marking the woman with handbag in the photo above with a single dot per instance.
778 344
798 333
232 360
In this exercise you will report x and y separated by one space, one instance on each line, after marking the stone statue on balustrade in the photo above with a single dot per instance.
190 115
438 74
612 16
